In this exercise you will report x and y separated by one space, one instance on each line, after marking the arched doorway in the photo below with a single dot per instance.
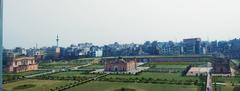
116 68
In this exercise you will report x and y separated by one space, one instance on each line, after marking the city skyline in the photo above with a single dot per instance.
28 22
67 45
52 42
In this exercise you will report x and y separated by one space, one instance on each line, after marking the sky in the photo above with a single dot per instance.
30 22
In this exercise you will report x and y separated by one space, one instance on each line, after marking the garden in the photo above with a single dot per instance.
115 86
33 85
163 76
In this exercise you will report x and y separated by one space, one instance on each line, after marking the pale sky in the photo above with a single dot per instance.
27 22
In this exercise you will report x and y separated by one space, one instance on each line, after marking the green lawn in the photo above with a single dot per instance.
27 73
9 76
39 85
228 81
95 66
57 65
169 63
155 75
235 79
175 63
228 87
72 73
171 66
180 56
161 75
111 86
46 85
67 63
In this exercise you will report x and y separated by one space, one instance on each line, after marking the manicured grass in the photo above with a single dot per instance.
95 66
25 86
226 88
235 79
162 75
57 65
156 75
176 63
67 63
37 85
72 73
111 86
167 66
11 76
180 56
27 73
125 89
171 66
169 63
228 83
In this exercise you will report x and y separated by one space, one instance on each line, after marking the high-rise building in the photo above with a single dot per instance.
192 46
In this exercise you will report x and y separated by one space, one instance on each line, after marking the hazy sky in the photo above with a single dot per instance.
27 22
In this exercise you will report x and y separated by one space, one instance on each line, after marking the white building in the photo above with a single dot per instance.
98 53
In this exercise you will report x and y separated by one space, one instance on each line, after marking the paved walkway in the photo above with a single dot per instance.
76 68
45 73
209 78
139 69
209 82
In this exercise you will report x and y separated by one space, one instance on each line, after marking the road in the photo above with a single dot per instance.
45 73
76 68
209 78
209 82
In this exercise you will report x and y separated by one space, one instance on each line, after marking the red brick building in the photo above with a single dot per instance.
120 65
21 64
221 66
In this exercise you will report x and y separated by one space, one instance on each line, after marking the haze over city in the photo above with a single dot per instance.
27 22
120 45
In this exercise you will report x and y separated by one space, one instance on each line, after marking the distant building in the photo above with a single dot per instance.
53 53
20 51
39 55
7 55
192 46
58 53
235 48
21 64
203 50
96 53
221 67
84 51
120 65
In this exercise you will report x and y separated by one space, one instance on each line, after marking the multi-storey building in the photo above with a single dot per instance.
21 64
192 46
53 53
20 51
